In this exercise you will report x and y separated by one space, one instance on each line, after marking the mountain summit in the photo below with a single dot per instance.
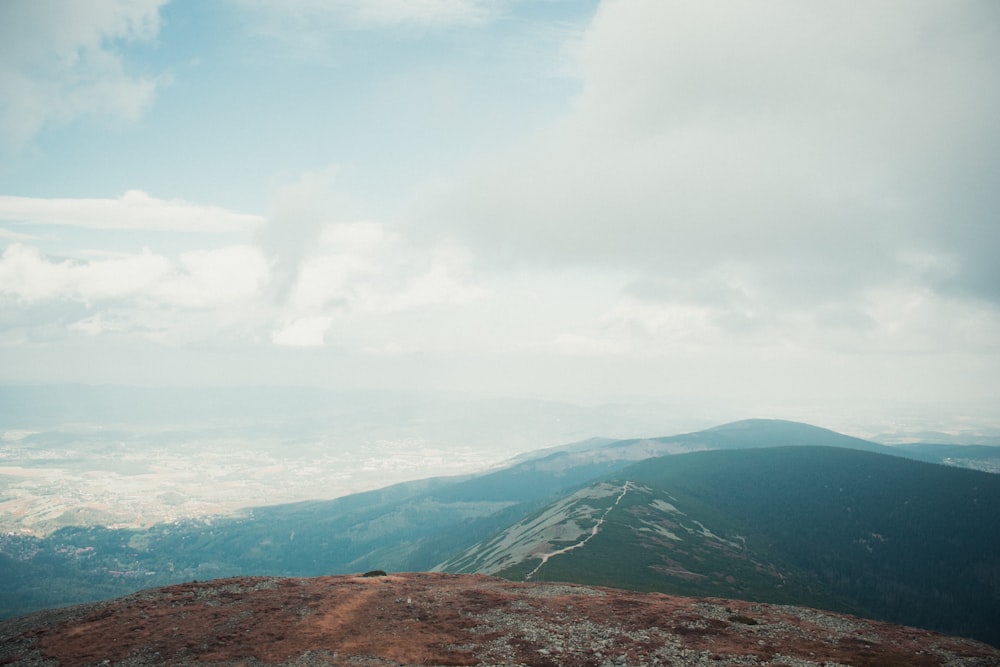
439 619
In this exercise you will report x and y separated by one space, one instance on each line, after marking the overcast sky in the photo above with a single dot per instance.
771 204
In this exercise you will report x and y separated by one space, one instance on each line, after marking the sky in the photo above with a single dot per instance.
789 207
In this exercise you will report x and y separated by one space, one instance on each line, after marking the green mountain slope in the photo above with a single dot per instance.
880 536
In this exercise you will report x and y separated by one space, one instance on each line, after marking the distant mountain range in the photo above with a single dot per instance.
760 510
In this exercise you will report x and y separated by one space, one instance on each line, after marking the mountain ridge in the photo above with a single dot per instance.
855 531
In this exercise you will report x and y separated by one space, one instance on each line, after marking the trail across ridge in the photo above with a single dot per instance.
593 531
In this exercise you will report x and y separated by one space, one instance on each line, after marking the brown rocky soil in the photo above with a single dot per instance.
441 619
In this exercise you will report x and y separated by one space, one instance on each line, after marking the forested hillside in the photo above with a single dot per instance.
876 535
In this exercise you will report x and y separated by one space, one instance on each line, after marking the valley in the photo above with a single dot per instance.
137 480
133 457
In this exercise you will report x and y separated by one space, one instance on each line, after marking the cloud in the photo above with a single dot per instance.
371 14
135 210
199 296
808 150
891 322
63 60
363 269
199 279
28 276
312 30
299 212
341 270
16 236
430 13
213 278
306 331
328 268
94 325
576 345
328 272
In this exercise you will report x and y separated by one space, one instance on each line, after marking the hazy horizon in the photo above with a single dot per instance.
134 457
714 210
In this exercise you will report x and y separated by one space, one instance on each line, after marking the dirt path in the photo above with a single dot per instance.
593 532
416 619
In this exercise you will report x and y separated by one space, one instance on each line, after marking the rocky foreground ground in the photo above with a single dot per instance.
441 619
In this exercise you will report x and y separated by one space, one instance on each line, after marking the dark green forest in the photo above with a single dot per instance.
879 536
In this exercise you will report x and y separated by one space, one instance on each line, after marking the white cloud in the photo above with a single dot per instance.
807 147
311 14
220 277
576 345
311 30
200 279
445 13
391 348
346 262
896 321
199 296
446 278
29 276
94 325
795 200
16 236
667 323
62 60
338 272
362 269
308 331
135 210
299 213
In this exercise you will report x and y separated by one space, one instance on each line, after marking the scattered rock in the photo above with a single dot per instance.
457 620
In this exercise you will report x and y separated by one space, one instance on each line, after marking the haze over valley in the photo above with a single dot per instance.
131 456
134 457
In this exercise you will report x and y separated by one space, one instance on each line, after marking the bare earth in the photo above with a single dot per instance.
442 619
